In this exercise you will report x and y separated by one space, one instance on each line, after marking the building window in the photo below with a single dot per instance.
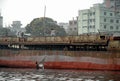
117 27
93 26
90 20
90 14
84 26
105 13
111 21
104 20
70 22
111 27
84 20
75 28
111 14
93 20
84 13
90 26
71 29
117 21
75 22
105 26
93 13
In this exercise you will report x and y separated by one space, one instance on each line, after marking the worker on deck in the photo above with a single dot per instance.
39 65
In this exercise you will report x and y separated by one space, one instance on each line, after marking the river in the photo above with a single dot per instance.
12 74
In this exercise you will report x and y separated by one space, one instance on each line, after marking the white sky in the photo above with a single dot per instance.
26 10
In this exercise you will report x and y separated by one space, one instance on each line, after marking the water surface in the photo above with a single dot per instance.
8 74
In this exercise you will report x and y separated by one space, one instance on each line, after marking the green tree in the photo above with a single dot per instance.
43 26
5 32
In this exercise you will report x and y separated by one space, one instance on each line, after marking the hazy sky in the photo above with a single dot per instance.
26 10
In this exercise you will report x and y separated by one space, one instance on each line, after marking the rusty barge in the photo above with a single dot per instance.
94 52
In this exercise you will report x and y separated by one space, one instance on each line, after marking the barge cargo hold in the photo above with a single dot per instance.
92 52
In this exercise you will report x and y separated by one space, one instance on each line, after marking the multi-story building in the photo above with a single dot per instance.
98 19
64 25
1 21
73 27
16 27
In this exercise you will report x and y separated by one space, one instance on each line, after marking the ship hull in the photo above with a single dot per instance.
92 60
60 65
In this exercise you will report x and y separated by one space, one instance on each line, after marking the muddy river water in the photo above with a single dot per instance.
8 74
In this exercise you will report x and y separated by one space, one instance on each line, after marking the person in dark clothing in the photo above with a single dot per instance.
37 65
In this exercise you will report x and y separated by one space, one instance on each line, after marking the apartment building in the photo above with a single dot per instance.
98 19
73 27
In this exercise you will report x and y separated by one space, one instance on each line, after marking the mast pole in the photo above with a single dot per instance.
44 20
44 11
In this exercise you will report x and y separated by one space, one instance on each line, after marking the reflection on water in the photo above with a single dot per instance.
57 75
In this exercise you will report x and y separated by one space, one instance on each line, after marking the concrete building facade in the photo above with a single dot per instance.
98 19
113 4
16 27
73 27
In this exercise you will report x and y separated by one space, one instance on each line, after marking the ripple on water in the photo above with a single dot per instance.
54 75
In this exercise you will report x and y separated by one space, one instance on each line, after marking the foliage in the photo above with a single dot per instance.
43 26
5 32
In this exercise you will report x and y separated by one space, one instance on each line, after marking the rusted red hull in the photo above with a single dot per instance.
17 64
81 65
60 65
60 59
